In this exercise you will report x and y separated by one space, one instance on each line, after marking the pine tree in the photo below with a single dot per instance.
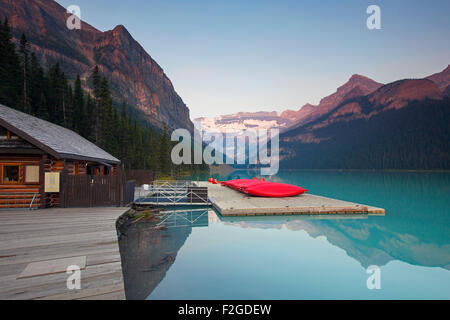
105 110
115 128
42 110
67 103
56 93
24 104
87 128
124 134
138 158
10 85
164 160
152 150
78 106
95 112
48 95
36 83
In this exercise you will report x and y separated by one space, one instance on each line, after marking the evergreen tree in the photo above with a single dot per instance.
24 104
55 94
115 133
138 157
78 106
36 84
10 85
87 127
42 109
67 103
152 150
95 112
25 85
164 158
124 134
104 108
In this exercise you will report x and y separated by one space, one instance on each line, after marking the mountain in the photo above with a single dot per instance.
357 85
239 123
242 121
133 74
401 125
297 116
442 79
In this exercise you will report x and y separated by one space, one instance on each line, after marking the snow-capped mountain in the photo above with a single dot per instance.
239 122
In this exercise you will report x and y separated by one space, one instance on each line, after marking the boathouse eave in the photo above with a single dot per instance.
84 158
49 150
57 141
29 138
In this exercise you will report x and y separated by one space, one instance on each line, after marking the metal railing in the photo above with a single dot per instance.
172 193
184 218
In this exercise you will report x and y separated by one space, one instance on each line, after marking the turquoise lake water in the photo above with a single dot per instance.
200 255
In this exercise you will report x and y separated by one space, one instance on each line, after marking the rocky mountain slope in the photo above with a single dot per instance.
134 75
357 85
442 79
402 125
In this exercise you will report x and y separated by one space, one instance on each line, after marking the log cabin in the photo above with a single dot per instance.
30 147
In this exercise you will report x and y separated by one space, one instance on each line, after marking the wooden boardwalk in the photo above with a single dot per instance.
36 246
230 202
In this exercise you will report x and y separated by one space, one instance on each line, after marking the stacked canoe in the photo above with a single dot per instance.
264 188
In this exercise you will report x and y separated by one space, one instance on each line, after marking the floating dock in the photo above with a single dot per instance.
229 202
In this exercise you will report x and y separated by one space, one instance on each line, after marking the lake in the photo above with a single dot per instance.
197 254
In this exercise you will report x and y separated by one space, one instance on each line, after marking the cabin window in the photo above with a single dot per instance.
32 174
90 170
10 174
3 133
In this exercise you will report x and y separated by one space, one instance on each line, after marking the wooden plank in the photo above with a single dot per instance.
50 239
46 267
94 293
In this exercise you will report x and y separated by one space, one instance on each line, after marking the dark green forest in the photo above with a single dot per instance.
86 108
415 137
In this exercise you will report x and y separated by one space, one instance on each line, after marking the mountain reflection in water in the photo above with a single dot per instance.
149 249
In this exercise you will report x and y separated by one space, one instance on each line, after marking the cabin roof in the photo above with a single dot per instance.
59 142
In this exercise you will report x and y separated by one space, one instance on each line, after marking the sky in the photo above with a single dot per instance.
255 55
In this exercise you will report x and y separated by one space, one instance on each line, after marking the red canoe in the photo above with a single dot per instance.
265 188
239 183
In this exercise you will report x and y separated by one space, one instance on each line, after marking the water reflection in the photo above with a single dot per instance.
366 239
415 230
149 248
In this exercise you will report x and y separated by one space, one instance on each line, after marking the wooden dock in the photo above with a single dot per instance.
36 247
229 202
